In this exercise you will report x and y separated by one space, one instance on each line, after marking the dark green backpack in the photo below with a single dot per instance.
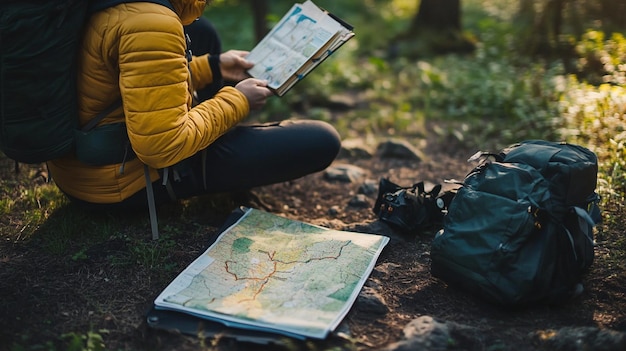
39 42
38 108
520 229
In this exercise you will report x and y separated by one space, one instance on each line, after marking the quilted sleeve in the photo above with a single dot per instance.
155 82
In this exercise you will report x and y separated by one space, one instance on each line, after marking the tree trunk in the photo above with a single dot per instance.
544 36
527 8
259 11
440 15
615 12
435 29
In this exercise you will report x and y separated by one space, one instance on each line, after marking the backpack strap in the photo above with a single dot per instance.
154 225
100 116
579 231
100 5
149 191
585 217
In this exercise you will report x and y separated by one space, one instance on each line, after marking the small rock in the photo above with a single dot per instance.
334 210
424 333
369 187
399 149
342 102
371 302
356 148
360 201
345 173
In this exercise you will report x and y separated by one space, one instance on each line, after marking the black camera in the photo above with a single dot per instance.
411 209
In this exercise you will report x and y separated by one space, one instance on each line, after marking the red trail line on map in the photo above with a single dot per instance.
271 255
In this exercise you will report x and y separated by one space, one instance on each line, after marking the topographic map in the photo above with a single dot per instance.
270 273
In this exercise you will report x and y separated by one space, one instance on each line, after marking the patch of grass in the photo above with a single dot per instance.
596 116
5 206
153 254
91 341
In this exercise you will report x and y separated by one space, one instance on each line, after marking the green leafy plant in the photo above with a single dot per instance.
601 59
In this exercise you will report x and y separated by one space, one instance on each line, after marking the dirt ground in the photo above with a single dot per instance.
43 298
403 276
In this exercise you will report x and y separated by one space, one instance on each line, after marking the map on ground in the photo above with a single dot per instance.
270 273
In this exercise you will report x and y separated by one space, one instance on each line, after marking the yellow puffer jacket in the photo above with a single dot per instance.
136 51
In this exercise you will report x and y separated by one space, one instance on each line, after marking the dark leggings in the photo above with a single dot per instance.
244 158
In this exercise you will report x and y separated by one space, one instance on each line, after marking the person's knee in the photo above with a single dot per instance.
326 138
331 138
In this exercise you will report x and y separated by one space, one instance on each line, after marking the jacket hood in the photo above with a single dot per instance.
189 10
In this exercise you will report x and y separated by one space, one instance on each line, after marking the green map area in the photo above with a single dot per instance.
267 272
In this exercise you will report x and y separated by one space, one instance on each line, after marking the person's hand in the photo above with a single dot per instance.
233 65
255 90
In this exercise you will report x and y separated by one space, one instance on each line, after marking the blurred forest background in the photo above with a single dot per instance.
489 72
